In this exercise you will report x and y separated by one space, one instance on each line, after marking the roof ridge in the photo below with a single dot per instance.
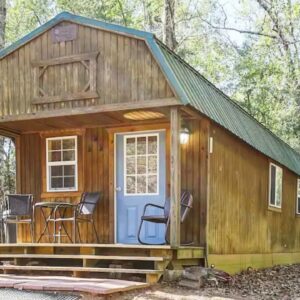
67 16
235 103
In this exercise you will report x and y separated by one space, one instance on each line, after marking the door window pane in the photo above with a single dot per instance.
130 184
141 145
152 164
130 146
152 184
130 165
141 164
141 184
152 145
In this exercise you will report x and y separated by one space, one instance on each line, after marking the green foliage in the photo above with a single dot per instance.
25 15
118 11
248 48
7 167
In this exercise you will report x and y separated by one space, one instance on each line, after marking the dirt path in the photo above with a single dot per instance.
279 282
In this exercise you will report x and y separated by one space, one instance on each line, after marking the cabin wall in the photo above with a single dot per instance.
194 179
95 178
240 221
126 72
97 170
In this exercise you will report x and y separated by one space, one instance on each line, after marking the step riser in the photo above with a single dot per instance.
88 251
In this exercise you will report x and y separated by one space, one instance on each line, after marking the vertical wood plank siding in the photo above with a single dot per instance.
193 178
239 218
98 155
126 72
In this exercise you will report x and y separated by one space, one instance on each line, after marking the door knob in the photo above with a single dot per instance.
118 189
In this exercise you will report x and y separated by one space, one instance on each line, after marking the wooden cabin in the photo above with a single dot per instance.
94 106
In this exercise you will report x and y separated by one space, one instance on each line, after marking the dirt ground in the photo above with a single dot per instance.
279 282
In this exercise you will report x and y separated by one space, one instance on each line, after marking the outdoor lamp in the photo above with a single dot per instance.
184 135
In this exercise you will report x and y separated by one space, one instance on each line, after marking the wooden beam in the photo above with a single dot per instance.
175 177
155 103
65 97
65 59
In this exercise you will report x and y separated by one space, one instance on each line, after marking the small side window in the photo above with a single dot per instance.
61 164
298 197
275 186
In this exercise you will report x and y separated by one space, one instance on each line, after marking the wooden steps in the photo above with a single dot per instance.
80 257
80 269
96 260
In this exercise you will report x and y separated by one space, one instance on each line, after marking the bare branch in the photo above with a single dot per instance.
240 30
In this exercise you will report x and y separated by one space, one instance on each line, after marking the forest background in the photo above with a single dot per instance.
247 48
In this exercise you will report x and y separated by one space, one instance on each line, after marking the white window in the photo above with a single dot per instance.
141 159
61 158
298 197
275 186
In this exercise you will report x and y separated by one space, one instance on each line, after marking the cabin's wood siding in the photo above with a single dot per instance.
194 179
240 221
98 173
126 72
95 175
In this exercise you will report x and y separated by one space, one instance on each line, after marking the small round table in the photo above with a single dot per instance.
49 212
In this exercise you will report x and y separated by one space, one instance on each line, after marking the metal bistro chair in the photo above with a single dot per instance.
186 202
19 210
83 212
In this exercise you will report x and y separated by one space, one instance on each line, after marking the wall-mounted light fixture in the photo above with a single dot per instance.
184 135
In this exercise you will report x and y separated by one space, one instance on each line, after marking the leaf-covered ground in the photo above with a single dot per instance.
279 282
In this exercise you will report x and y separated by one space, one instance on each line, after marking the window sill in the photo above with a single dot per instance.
275 209
61 194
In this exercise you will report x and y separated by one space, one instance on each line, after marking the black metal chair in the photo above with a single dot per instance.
186 202
19 210
83 212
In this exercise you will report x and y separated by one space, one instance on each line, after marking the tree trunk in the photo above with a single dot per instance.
2 22
169 37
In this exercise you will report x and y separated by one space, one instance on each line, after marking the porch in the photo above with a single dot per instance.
183 166
130 262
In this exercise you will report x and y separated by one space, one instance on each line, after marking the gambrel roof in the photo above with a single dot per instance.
192 89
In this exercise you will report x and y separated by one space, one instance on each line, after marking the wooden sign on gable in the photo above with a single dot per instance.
64 33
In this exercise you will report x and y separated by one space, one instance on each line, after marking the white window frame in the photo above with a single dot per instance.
125 165
297 196
270 185
61 163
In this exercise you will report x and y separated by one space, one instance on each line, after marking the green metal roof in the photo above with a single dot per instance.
209 100
191 88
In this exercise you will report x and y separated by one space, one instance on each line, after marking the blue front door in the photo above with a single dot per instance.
140 179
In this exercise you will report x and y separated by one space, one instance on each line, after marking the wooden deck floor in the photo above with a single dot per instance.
67 284
97 260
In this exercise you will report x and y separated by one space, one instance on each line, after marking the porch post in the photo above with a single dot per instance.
175 177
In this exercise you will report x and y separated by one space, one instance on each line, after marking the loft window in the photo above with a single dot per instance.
298 197
61 159
275 186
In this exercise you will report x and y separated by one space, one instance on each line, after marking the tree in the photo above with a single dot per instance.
169 36
249 50
2 22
